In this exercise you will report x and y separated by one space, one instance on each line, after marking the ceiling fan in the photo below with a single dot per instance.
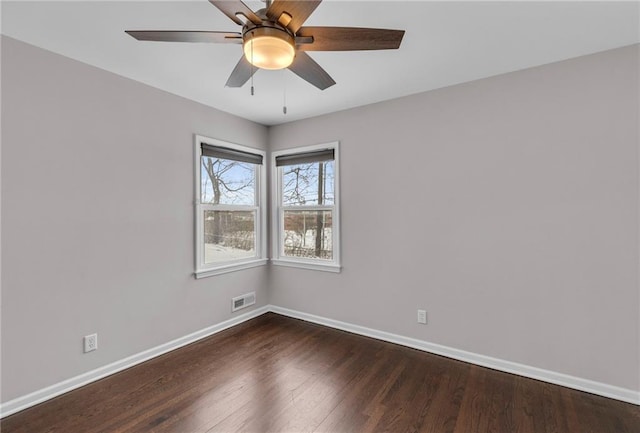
274 38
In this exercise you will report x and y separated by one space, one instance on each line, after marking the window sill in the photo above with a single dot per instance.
328 267
229 268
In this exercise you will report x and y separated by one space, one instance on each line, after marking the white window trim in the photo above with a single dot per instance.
207 270
277 222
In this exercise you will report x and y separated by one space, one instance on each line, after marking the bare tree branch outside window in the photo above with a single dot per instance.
228 233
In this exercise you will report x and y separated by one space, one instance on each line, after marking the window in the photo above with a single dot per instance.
229 210
306 218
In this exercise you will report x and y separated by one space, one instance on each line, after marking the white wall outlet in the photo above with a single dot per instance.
422 316
90 343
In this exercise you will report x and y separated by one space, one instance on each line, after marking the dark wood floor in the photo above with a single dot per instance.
279 374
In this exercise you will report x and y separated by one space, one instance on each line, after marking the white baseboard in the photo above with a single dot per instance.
598 388
590 386
52 391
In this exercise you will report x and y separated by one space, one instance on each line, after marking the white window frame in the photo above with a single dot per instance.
277 214
210 269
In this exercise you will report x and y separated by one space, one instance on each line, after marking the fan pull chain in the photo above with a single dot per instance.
252 64
284 93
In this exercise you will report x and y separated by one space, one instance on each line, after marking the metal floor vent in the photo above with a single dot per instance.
243 301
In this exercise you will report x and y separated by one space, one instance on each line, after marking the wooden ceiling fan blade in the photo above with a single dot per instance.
349 38
186 36
233 7
307 69
298 10
241 73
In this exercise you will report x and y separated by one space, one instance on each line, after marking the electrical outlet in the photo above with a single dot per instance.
90 343
422 316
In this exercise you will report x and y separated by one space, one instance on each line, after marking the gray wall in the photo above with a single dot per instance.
507 207
97 218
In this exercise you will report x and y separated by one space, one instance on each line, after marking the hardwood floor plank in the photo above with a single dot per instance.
276 374
601 414
528 403
309 409
472 416
440 414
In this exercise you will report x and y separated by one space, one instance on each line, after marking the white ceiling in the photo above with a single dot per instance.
445 43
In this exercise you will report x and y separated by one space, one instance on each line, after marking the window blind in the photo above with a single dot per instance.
305 158
231 154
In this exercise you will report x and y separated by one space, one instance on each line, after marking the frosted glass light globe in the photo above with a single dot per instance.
268 48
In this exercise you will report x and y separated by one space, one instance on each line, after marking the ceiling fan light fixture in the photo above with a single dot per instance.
269 48
270 38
